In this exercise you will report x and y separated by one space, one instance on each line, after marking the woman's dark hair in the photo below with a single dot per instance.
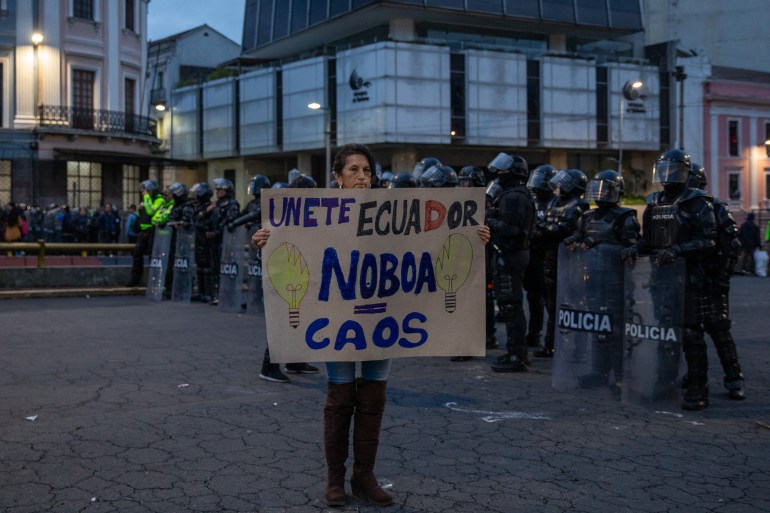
352 149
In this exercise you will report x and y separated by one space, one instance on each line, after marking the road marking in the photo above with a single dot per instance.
494 416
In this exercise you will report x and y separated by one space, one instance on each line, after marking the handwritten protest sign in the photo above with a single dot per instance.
352 275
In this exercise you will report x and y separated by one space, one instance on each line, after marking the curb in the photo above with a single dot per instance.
75 292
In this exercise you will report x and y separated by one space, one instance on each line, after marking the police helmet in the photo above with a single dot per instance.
257 183
303 182
402 180
150 186
201 191
605 187
672 167
513 165
177 190
425 164
279 185
439 176
538 179
697 178
223 184
472 176
385 178
569 182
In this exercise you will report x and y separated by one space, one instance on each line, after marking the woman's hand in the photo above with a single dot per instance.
259 239
484 233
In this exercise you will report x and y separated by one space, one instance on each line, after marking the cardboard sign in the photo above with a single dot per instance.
353 275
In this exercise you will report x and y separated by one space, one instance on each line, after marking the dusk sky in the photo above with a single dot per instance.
167 17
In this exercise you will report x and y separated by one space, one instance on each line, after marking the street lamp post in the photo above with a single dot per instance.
36 38
327 139
680 77
630 92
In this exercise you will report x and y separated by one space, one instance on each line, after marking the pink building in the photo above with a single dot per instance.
736 135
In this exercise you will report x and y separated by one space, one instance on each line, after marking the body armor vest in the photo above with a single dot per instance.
601 228
665 225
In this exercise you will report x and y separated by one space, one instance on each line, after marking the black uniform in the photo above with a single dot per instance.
561 219
608 224
717 322
204 259
510 222
225 211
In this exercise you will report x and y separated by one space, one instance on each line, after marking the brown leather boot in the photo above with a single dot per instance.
340 402
370 404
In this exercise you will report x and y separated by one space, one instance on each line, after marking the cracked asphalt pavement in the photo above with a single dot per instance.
115 404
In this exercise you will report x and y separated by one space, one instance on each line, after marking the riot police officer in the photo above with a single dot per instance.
225 210
679 221
439 176
718 268
181 214
402 180
472 176
152 203
534 278
424 165
251 215
204 260
607 225
510 221
561 219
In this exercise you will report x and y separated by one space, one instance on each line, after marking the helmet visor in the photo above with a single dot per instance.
602 190
502 162
563 182
669 171
433 177
537 181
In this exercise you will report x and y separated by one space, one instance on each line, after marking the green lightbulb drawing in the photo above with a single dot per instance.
290 275
453 266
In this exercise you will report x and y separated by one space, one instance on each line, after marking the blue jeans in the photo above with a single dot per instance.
340 373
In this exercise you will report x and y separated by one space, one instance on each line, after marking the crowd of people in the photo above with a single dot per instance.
60 223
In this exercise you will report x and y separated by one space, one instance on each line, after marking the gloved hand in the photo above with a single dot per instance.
571 242
667 256
230 227
590 242
630 252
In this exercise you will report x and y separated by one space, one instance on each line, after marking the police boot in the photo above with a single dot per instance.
696 396
340 402
533 339
728 356
370 405
510 363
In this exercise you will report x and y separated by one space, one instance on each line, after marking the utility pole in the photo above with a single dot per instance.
680 76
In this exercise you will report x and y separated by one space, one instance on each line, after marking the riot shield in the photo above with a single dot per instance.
156 275
232 272
652 341
254 271
589 299
184 264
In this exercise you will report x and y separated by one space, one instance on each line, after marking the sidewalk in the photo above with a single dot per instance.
117 404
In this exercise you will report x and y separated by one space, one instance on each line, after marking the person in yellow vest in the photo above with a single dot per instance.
151 213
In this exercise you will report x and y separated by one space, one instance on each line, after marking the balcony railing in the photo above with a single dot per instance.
104 121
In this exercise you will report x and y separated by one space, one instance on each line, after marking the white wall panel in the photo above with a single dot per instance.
219 118
393 92
184 136
568 102
304 82
496 96
257 94
641 117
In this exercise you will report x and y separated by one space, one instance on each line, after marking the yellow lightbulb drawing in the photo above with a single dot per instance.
290 275
453 266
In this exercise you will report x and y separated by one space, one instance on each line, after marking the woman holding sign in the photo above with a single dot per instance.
349 398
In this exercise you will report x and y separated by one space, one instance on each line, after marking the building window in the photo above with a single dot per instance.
6 183
83 99
2 93
130 15
129 106
457 95
84 184
131 180
733 148
83 9
734 186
